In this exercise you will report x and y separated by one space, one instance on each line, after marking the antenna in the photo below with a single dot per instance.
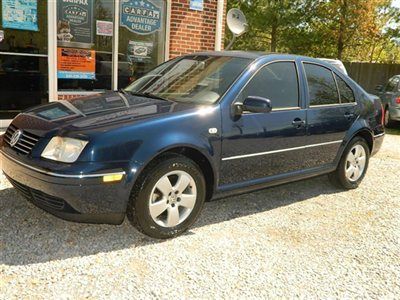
237 24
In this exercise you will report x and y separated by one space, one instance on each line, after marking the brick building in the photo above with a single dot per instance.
53 50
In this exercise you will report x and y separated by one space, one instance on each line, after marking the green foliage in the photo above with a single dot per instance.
351 30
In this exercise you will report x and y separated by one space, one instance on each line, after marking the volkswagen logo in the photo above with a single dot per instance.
15 137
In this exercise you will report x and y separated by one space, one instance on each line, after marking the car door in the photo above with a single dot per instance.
330 113
260 145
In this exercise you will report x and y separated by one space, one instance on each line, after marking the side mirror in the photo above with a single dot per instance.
379 88
253 104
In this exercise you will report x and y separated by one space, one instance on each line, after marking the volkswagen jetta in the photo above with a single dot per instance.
198 127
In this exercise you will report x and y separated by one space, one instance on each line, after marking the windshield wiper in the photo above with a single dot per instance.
149 95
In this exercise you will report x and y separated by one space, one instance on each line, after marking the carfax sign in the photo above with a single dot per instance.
140 16
75 22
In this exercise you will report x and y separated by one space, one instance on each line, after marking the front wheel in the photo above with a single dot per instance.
353 165
168 198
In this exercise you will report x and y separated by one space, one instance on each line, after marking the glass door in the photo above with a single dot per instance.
23 56
84 46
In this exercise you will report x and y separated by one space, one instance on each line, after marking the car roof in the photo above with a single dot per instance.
252 55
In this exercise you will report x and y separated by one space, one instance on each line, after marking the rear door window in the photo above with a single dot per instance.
346 93
321 85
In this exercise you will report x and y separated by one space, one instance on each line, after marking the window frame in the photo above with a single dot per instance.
333 73
299 107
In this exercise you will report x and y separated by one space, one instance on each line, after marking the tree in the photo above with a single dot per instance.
267 19
344 29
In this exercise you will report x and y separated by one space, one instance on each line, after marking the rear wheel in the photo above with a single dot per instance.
353 165
168 198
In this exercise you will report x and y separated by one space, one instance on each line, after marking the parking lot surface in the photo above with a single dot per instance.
305 239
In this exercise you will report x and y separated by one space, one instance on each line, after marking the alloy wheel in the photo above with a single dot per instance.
355 163
172 198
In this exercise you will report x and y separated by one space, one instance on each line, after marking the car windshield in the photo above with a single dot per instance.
199 79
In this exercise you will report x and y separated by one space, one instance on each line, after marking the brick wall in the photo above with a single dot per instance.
192 30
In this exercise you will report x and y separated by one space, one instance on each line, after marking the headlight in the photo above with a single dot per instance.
64 149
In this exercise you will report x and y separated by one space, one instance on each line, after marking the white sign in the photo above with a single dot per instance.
104 28
1 35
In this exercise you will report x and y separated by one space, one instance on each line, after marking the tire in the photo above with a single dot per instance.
352 179
154 204
388 122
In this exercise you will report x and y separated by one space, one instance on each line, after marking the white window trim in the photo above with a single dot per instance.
52 49
219 25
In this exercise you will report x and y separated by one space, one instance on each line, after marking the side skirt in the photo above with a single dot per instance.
228 190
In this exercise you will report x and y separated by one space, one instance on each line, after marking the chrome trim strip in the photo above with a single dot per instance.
281 150
379 135
79 176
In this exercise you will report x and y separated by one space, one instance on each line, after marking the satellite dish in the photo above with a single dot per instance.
236 21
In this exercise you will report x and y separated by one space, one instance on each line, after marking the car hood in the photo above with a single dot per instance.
96 111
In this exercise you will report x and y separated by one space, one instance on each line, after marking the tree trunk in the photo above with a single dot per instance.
274 37
342 28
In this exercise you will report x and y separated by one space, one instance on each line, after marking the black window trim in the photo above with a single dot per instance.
299 107
337 86
303 62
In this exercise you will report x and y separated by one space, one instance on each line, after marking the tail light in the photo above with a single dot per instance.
383 115
397 100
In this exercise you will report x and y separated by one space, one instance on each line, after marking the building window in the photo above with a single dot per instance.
85 36
23 56
84 45
141 45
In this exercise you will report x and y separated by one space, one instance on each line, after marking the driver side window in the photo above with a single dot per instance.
277 82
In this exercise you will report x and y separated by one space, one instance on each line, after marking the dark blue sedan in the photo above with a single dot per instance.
198 127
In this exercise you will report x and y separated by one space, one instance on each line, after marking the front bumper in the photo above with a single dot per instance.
83 198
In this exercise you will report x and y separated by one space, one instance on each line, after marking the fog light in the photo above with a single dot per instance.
112 178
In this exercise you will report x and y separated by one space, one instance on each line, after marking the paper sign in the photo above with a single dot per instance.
75 23
76 63
104 28
19 14
1 36
196 5
140 16
140 51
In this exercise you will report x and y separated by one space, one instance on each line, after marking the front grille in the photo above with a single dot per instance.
41 199
25 143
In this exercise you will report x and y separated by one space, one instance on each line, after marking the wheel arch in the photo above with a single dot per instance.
192 153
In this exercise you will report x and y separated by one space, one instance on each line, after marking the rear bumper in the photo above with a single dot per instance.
85 199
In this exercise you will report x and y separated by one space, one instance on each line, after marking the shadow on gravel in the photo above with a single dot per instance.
29 235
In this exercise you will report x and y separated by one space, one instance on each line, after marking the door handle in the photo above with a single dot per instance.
349 116
298 123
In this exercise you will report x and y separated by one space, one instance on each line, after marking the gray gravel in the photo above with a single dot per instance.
305 239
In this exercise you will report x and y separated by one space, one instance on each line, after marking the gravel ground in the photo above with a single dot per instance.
305 239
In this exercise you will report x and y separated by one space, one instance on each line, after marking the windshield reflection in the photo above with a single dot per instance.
199 79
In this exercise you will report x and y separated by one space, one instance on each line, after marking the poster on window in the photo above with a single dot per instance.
140 51
76 63
20 14
104 28
75 23
140 16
